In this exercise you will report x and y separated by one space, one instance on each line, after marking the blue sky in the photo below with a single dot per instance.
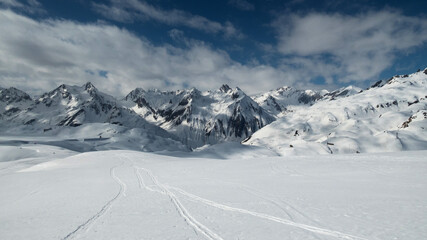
256 45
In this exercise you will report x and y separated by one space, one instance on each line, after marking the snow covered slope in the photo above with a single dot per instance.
200 118
390 116
133 195
277 101
280 101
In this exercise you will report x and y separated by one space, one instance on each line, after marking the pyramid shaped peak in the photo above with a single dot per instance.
134 94
193 91
89 86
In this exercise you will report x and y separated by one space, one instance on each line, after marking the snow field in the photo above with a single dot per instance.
134 195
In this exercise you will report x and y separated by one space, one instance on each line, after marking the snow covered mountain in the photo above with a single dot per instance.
73 106
13 100
278 101
200 118
389 116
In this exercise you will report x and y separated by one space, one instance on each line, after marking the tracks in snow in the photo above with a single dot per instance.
86 225
268 217
165 189
196 225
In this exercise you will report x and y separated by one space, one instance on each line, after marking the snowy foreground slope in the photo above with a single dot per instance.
391 116
135 195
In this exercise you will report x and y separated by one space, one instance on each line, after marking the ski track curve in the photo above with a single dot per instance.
313 229
183 212
265 196
276 202
86 225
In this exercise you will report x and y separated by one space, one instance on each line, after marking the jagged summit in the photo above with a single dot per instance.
225 88
90 88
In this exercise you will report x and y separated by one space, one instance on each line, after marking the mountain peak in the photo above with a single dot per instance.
12 94
134 94
89 86
284 88
224 88
194 91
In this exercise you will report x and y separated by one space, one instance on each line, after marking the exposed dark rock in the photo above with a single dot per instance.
30 122
377 84
11 95
225 88
414 102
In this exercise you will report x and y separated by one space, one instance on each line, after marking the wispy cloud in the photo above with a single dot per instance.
38 55
134 10
30 6
11 3
346 48
242 5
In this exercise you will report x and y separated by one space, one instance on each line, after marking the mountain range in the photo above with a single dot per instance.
388 116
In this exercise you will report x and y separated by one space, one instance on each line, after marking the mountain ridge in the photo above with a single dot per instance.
198 118
390 115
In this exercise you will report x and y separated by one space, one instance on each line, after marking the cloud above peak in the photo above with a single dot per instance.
38 55
347 47
135 10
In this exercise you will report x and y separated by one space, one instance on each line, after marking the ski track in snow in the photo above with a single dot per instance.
183 212
196 225
268 217
276 201
86 225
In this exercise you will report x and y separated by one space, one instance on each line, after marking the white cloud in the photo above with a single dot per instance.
347 48
132 10
242 5
37 56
